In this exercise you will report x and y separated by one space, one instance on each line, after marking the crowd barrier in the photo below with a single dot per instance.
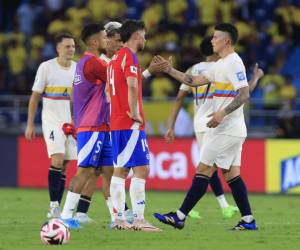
268 166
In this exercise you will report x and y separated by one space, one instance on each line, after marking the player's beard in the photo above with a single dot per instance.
101 50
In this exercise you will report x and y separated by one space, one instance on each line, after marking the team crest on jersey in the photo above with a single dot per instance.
240 76
133 69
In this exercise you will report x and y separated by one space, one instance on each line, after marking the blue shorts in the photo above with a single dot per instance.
130 148
94 149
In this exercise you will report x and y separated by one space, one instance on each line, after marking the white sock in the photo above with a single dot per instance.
248 218
180 215
138 197
54 204
110 208
117 194
70 204
222 201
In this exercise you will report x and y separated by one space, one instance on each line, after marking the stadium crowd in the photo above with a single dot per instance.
269 34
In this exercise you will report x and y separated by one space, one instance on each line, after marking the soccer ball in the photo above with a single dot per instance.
55 232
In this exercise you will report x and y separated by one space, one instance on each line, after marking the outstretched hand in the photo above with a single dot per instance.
159 64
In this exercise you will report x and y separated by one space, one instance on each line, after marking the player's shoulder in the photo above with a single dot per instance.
49 63
234 58
201 66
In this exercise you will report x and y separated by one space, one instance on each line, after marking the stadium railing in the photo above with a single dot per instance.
261 122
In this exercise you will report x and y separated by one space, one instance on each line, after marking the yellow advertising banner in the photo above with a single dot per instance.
283 166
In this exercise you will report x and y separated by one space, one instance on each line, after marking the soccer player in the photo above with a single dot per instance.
53 82
202 108
91 120
223 144
129 143
114 44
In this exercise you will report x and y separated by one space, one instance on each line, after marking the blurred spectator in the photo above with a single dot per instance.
271 84
28 14
161 87
288 92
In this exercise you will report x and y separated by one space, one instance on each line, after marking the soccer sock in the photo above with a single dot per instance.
222 201
110 208
117 194
216 184
62 187
240 195
70 204
83 204
137 196
54 176
195 193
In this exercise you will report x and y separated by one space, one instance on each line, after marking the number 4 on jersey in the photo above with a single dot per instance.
51 137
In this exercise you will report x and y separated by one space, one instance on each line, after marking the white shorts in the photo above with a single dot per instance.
58 143
223 150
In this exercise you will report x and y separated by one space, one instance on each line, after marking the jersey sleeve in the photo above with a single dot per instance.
131 65
95 71
40 80
236 74
183 86
209 73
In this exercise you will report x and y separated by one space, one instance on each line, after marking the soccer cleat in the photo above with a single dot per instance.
129 216
72 223
170 219
120 225
83 218
54 212
243 225
229 212
143 225
194 214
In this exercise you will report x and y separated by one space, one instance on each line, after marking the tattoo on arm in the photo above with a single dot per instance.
238 101
188 79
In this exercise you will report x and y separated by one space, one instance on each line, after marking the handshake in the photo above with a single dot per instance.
69 129
159 64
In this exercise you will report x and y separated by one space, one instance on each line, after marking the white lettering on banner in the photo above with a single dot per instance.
290 173
195 153
167 165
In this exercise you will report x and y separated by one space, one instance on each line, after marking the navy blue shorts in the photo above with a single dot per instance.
94 149
130 148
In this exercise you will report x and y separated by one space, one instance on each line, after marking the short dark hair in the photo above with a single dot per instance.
129 27
206 47
59 37
91 29
230 29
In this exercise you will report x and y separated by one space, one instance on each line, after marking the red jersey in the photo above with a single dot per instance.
124 64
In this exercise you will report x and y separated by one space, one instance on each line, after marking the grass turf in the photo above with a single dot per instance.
23 211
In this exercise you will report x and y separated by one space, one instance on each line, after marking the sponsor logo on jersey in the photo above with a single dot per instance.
290 173
240 76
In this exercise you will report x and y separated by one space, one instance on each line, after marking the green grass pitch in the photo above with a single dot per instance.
23 211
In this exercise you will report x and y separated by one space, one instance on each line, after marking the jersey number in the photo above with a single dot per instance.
111 80
51 137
